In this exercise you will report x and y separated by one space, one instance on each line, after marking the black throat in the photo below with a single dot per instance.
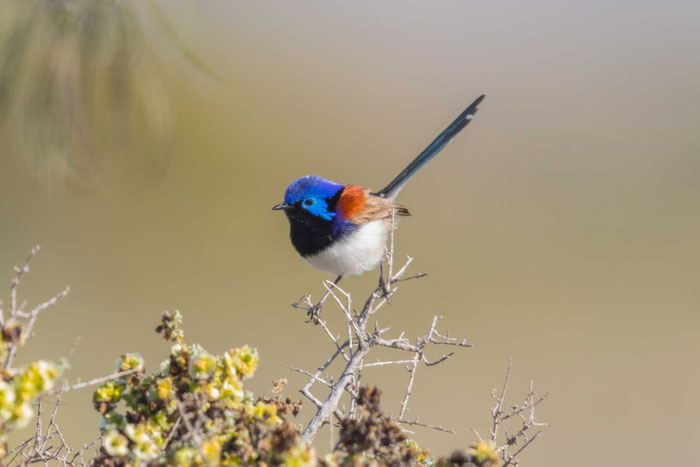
310 234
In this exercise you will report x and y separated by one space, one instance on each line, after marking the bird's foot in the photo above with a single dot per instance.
314 313
384 288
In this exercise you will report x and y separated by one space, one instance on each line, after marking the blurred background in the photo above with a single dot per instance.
144 143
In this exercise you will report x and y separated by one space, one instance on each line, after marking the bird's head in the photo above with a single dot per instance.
311 199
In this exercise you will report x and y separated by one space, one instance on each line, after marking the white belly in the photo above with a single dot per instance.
355 253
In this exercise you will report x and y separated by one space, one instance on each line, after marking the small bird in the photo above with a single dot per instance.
342 229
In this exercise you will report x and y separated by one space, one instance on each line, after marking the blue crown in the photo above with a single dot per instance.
311 186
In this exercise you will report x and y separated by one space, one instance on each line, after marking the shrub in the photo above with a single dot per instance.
194 410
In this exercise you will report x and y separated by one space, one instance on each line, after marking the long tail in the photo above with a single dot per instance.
392 189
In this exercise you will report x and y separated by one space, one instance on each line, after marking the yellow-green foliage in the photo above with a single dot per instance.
194 410
20 387
484 452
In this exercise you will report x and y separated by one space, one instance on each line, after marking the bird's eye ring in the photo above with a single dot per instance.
308 202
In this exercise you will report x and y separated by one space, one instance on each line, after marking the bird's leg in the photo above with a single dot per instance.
314 311
384 284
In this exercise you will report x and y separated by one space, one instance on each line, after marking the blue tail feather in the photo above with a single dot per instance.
392 189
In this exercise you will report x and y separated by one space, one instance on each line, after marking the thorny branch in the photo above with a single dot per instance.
103 379
525 411
48 445
45 445
417 422
360 341
193 430
16 311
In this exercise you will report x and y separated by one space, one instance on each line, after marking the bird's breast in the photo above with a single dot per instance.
354 253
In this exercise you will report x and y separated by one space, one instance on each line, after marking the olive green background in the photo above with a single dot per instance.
561 228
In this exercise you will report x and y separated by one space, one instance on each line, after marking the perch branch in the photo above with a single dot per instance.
362 340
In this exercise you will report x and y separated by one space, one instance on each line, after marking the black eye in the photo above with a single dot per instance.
308 202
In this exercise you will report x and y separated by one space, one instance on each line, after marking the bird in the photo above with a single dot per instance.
342 229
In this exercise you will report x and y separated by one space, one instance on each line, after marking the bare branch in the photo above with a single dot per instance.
360 342
412 371
19 272
393 362
193 431
425 425
512 457
313 376
94 381
496 410
499 415
38 309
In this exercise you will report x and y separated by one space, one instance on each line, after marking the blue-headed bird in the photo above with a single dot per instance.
342 229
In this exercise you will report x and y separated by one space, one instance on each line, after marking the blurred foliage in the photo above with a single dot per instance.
20 387
82 95
195 411
376 436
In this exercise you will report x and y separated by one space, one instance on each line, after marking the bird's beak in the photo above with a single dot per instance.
281 207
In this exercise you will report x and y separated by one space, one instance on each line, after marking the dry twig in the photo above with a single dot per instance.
48 445
522 438
45 445
360 341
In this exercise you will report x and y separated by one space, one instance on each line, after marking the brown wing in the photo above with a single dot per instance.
377 207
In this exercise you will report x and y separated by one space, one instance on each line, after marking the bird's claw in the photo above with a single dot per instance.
384 288
314 313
